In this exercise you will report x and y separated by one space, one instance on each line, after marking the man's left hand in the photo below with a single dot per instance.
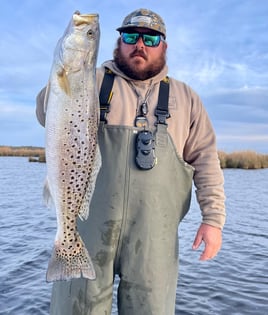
212 237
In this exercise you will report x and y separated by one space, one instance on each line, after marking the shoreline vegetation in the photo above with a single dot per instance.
34 154
238 159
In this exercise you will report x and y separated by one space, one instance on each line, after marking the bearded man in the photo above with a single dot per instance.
156 140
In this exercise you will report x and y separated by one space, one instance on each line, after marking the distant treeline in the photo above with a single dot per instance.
239 159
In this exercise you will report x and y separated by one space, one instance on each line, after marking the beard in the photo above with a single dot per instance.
131 70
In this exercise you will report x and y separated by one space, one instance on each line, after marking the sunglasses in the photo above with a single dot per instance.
148 40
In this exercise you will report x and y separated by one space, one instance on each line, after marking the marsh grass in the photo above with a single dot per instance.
35 154
243 159
240 159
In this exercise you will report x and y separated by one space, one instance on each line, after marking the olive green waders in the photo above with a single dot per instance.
131 230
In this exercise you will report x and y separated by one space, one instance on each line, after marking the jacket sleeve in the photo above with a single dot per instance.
201 152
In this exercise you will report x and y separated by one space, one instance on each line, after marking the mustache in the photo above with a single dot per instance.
138 52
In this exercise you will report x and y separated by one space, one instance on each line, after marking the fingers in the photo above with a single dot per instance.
212 238
208 253
197 241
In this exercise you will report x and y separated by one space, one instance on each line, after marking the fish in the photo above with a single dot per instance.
73 158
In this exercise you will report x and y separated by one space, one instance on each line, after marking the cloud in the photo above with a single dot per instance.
218 47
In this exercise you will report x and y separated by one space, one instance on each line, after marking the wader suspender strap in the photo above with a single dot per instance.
106 94
161 111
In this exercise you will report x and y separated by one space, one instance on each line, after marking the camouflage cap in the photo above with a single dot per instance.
143 18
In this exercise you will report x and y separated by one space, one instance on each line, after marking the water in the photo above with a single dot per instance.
236 282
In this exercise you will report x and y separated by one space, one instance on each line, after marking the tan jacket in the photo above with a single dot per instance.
189 127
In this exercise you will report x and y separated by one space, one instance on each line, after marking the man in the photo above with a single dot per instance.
150 156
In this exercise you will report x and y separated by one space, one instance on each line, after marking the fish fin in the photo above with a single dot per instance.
64 266
63 81
47 195
47 92
84 209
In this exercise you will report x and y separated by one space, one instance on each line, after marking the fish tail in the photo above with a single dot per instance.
64 265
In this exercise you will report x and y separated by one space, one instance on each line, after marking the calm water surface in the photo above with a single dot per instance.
236 282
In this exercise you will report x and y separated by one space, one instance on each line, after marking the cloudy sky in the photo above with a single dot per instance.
218 47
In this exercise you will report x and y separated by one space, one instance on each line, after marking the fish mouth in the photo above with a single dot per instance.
93 15
87 14
80 19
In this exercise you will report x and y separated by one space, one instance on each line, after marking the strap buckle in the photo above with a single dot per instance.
104 110
162 116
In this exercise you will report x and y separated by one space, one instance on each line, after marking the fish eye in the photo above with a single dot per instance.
90 33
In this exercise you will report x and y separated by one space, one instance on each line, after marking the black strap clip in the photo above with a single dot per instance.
162 116
104 110
161 111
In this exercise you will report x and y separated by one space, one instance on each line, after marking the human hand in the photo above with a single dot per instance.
212 237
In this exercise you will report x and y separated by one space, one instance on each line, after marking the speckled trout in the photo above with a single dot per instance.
72 153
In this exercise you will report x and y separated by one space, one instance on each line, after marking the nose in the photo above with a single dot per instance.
140 43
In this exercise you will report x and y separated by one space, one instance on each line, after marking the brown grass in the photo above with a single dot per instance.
239 159
243 159
35 154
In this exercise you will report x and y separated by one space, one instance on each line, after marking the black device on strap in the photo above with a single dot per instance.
106 94
145 150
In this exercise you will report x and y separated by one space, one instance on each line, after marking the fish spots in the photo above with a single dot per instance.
73 252
70 251
71 129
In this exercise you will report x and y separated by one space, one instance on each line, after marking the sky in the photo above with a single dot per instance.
218 47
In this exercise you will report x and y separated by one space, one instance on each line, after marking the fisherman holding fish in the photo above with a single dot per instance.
123 149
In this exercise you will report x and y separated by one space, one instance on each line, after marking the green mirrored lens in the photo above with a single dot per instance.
130 38
151 40
148 40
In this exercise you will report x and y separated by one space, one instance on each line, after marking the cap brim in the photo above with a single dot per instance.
126 28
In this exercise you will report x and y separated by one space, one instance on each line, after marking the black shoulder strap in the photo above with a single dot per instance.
106 94
161 111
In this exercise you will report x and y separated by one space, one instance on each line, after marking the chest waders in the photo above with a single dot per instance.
131 230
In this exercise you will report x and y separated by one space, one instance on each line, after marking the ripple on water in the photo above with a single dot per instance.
236 282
